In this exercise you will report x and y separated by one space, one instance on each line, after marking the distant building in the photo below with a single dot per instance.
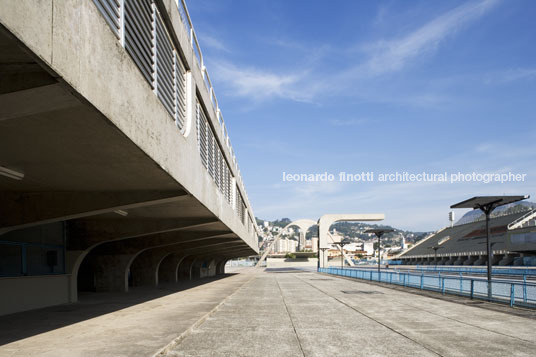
283 245
314 244
292 245
369 248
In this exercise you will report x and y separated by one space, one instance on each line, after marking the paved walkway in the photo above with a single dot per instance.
138 323
308 314
258 313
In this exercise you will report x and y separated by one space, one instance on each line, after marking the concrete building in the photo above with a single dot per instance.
116 168
282 245
369 248
292 245
314 243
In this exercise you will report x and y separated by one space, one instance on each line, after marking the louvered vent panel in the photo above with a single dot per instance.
139 35
180 92
110 10
165 67
202 134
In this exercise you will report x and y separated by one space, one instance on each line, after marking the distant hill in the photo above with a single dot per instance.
476 215
354 231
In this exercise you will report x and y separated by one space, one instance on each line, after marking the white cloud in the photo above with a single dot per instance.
213 43
382 57
259 85
393 55
349 122
512 75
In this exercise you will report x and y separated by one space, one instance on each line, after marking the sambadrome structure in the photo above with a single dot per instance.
116 168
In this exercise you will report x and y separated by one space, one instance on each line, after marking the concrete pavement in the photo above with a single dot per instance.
268 313
138 323
308 314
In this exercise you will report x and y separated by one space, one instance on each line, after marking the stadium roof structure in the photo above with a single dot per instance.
466 239
479 202
380 231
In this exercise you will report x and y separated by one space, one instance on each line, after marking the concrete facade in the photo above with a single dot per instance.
104 163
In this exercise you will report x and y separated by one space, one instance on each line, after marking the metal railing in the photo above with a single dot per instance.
467 270
513 293
187 22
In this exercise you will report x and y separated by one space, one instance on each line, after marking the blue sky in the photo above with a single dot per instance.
311 86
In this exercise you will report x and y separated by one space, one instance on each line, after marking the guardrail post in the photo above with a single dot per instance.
404 279
443 286
422 280
461 283
472 288
370 275
512 294
524 288
390 278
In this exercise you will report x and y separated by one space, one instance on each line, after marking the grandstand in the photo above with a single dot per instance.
513 240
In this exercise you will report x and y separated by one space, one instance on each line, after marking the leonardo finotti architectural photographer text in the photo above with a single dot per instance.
370 176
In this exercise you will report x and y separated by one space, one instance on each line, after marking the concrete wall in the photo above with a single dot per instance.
32 292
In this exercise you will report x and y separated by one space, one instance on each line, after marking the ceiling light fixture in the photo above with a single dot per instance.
15 175
121 212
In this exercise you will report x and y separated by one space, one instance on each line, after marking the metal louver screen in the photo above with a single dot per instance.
110 10
180 92
228 184
210 151
165 78
139 35
202 134
240 207
217 165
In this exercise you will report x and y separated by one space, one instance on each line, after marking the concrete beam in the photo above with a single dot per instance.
87 233
21 210
35 100
136 245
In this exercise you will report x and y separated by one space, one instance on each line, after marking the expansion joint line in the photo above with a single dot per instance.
290 317
466 323
373 319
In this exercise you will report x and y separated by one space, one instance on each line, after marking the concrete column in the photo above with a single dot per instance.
168 270
481 260
144 269
195 268
73 259
460 260
111 271
184 271
496 258
220 267
519 262
507 260
470 260
211 268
